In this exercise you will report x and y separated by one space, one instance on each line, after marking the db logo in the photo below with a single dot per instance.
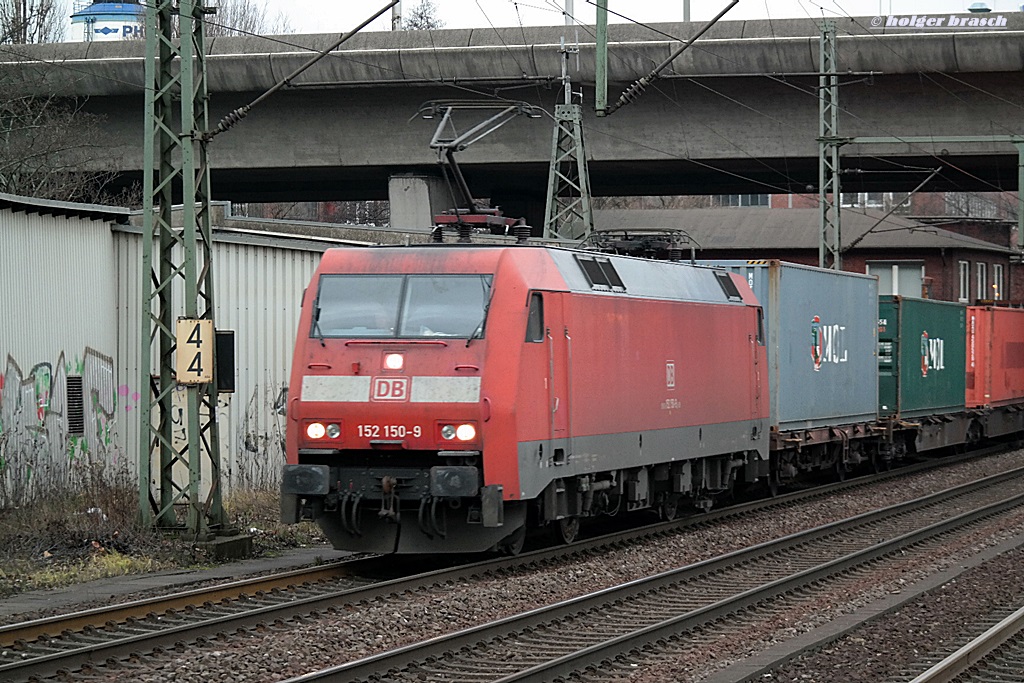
390 389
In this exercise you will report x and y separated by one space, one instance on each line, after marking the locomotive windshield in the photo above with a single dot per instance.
402 306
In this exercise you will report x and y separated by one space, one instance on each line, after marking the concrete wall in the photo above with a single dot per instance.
415 200
737 114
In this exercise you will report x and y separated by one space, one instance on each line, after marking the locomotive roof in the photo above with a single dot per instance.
643 277
581 271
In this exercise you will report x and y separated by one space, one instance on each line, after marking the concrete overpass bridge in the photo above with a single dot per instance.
736 113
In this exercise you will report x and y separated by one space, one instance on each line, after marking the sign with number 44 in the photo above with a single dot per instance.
195 339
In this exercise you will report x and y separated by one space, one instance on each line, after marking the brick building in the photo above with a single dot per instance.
938 260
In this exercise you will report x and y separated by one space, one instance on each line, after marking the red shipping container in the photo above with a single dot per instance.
995 356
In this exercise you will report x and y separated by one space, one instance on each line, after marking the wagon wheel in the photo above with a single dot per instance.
568 528
513 543
840 470
669 508
880 463
974 433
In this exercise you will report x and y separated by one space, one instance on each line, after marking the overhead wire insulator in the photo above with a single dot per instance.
633 92
231 118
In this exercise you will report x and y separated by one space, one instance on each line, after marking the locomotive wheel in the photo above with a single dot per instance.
567 529
669 508
513 543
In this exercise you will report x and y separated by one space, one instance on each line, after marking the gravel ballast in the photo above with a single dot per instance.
368 628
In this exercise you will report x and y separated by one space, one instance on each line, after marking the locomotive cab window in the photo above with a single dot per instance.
401 306
535 321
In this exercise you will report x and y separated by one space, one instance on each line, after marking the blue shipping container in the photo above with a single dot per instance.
822 336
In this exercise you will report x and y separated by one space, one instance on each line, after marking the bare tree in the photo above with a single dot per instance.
422 17
245 17
32 21
44 141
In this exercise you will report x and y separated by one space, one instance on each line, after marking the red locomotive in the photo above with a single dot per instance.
443 398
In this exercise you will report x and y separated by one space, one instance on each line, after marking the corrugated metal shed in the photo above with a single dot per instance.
58 269
258 284
70 281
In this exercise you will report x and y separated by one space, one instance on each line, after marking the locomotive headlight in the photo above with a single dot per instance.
315 430
462 432
333 431
394 361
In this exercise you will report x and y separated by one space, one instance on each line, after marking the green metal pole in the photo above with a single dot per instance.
145 357
829 242
175 152
1020 194
156 286
601 85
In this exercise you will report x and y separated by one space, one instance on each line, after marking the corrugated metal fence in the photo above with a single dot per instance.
69 336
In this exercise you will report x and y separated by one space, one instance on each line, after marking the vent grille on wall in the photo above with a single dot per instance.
76 406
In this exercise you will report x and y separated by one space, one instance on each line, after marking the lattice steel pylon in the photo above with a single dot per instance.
829 199
177 271
569 212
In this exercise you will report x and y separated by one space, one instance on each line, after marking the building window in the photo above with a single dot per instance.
973 204
965 281
983 281
868 200
997 281
744 199
905 278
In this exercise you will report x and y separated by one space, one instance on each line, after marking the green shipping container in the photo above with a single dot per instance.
921 356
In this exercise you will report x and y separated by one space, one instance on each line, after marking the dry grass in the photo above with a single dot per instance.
93 532
256 513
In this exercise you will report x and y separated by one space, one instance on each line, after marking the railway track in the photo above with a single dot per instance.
995 656
44 647
604 635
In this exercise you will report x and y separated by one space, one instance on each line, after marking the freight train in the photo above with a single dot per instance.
446 398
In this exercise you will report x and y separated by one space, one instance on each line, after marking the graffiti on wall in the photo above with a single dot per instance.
45 434
48 440
260 438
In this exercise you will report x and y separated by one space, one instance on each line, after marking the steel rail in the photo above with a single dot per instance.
93 635
437 648
958 663
101 616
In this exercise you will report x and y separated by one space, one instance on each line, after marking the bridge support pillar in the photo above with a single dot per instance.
416 199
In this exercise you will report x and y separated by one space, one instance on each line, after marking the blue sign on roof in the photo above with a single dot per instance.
111 9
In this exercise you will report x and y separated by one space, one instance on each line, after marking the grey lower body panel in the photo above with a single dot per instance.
541 462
